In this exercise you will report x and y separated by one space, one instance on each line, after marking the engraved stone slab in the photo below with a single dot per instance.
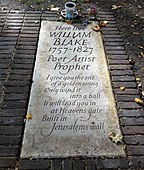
71 101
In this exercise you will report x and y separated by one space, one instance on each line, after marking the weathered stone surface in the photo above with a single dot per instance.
71 100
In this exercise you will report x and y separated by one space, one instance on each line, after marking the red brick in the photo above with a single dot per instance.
133 130
131 113
135 150
132 121
128 105
134 139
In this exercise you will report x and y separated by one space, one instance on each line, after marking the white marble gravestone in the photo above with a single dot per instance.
71 101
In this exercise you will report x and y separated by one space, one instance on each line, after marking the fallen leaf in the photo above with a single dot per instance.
29 116
55 9
142 54
131 61
116 138
30 158
36 22
139 101
103 23
116 6
136 33
140 46
69 22
137 79
96 28
122 88
139 85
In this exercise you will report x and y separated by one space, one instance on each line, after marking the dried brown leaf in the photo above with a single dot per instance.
122 88
116 138
141 47
138 79
142 54
116 6
96 28
103 23
29 116
139 101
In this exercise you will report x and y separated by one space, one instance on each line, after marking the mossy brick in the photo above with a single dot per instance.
29 35
26 28
111 36
121 72
33 164
19 77
117 57
24 61
5 39
18 83
119 52
113 40
115 48
90 164
114 62
23 51
10 140
27 39
21 66
109 32
8 151
56 164
134 139
21 43
131 113
17 90
128 105
28 47
13 104
110 29
135 150
78 165
118 91
4 56
133 130
21 71
6 51
126 98
11 121
112 163
113 43
125 84
123 78
12 112
67 164
4 66
5 61
24 56
132 121
10 130
7 162
120 67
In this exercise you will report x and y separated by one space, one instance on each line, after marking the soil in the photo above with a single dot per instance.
128 13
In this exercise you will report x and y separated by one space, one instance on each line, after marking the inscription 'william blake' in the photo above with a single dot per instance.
70 42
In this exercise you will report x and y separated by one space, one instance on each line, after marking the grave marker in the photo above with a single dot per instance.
71 98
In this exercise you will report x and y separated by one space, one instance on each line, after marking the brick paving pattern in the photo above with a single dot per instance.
19 32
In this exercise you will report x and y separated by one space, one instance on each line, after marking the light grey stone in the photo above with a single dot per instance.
71 101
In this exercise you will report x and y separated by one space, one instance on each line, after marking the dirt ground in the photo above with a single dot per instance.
130 19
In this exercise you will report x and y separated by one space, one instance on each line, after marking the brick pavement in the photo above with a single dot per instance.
19 33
